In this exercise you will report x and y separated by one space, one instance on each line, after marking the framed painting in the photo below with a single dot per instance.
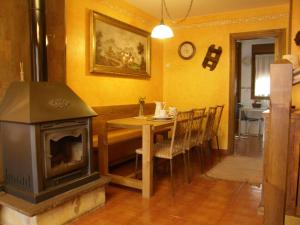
117 48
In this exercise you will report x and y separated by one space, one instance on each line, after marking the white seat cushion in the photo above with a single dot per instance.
139 151
162 150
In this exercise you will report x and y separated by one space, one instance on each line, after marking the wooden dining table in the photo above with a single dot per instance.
148 126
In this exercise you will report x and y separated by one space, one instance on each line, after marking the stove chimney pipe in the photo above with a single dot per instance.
38 40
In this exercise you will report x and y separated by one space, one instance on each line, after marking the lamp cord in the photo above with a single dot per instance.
162 12
169 15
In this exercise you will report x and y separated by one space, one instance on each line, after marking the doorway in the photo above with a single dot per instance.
254 57
236 90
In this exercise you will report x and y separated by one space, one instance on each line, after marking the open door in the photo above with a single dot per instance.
280 48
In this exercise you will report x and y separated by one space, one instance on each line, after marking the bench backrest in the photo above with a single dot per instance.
106 113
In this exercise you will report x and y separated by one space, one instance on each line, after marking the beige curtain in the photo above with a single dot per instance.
262 74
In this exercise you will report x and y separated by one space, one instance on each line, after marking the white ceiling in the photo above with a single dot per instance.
178 8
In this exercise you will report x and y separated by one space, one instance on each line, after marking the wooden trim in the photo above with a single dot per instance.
289 50
258 49
126 181
238 64
239 69
280 49
232 94
263 49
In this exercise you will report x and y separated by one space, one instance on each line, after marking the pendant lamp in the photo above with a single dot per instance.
162 31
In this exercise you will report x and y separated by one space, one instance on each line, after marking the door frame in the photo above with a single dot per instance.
280 49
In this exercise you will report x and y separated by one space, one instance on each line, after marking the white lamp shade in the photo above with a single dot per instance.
162 31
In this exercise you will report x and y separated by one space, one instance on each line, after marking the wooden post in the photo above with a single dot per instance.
147 161
103 149
266 116
277 153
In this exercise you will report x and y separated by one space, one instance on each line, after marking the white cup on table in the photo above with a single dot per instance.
163 113
172 111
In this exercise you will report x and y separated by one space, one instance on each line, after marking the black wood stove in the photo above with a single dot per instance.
46 140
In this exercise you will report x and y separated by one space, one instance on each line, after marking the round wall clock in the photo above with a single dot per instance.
186 50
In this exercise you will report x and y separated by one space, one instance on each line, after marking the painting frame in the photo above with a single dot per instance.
122 67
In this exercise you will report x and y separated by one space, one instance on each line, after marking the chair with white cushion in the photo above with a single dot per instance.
248 118
216 125
175 146
195 133
207 135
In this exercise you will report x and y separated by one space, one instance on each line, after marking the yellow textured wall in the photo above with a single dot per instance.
186 83
182 83
295 48
105 90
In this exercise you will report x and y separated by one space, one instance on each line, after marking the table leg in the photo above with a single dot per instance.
103 151
147 161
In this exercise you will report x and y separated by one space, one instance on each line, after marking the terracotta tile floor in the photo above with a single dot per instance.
202 202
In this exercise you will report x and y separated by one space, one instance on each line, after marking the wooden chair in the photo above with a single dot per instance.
247 119
195 133
217 121
175 146
208 130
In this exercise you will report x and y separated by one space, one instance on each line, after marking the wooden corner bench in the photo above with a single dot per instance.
114 145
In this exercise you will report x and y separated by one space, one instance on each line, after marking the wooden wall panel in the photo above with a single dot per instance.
14 46
14 42
56 49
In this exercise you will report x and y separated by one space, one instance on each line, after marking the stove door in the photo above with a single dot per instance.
65 150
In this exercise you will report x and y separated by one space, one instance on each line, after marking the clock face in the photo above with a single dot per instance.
187 50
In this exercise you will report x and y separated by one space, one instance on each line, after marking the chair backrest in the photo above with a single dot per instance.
243 115
211 114
239 105
218 117
196 130
182 126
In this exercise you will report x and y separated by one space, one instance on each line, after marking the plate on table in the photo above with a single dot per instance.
162 117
